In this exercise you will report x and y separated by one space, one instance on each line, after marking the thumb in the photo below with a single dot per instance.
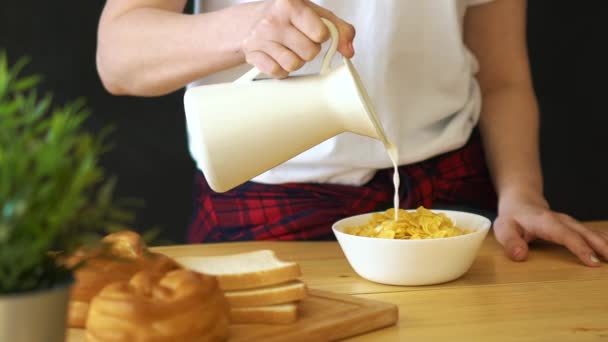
510 235
346 36
346 31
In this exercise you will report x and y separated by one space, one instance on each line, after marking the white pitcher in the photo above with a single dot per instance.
244 128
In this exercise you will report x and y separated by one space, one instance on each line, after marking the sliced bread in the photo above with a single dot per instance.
275 294
244 270
271 314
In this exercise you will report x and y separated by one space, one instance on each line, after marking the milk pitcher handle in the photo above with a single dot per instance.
325 66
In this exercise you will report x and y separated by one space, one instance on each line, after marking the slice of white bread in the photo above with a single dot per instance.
271 314
244 270
275 294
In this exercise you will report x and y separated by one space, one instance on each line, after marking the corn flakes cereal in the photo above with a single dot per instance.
419 224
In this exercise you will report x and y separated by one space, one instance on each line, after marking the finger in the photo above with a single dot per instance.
551 229
297 42
266 64
346 31
597 240
306 20
286 59
510 235
605 235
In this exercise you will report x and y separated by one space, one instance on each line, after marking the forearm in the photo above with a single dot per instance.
149 51
509 126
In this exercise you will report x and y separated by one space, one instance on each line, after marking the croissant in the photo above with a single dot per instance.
127 256
180 305
126 243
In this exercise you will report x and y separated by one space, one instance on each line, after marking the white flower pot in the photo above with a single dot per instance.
33 316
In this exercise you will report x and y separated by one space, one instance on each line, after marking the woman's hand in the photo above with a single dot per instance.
289 33
523 218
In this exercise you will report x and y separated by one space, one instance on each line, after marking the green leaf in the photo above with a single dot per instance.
54 194
151 235
18 66
26 83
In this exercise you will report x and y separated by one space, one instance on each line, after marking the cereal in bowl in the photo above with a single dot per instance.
410 225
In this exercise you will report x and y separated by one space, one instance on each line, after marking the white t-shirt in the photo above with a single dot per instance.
418 74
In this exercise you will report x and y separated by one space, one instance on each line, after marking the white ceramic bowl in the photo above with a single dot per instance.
413 262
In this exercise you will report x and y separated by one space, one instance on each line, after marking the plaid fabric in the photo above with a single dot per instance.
256 211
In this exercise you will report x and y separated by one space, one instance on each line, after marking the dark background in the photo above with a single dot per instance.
151 157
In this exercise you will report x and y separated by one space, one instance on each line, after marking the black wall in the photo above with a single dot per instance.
569 66
151 157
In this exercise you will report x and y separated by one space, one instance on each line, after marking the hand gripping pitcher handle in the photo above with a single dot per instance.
325 66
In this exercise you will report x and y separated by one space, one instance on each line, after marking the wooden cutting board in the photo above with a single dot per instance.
324 316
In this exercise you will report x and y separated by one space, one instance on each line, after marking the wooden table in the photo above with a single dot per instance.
550 297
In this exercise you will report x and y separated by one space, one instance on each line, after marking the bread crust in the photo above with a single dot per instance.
232 279
257 279
283 293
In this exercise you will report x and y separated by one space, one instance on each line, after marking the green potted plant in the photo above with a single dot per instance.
54 198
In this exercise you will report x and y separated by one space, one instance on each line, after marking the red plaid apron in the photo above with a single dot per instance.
296 211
